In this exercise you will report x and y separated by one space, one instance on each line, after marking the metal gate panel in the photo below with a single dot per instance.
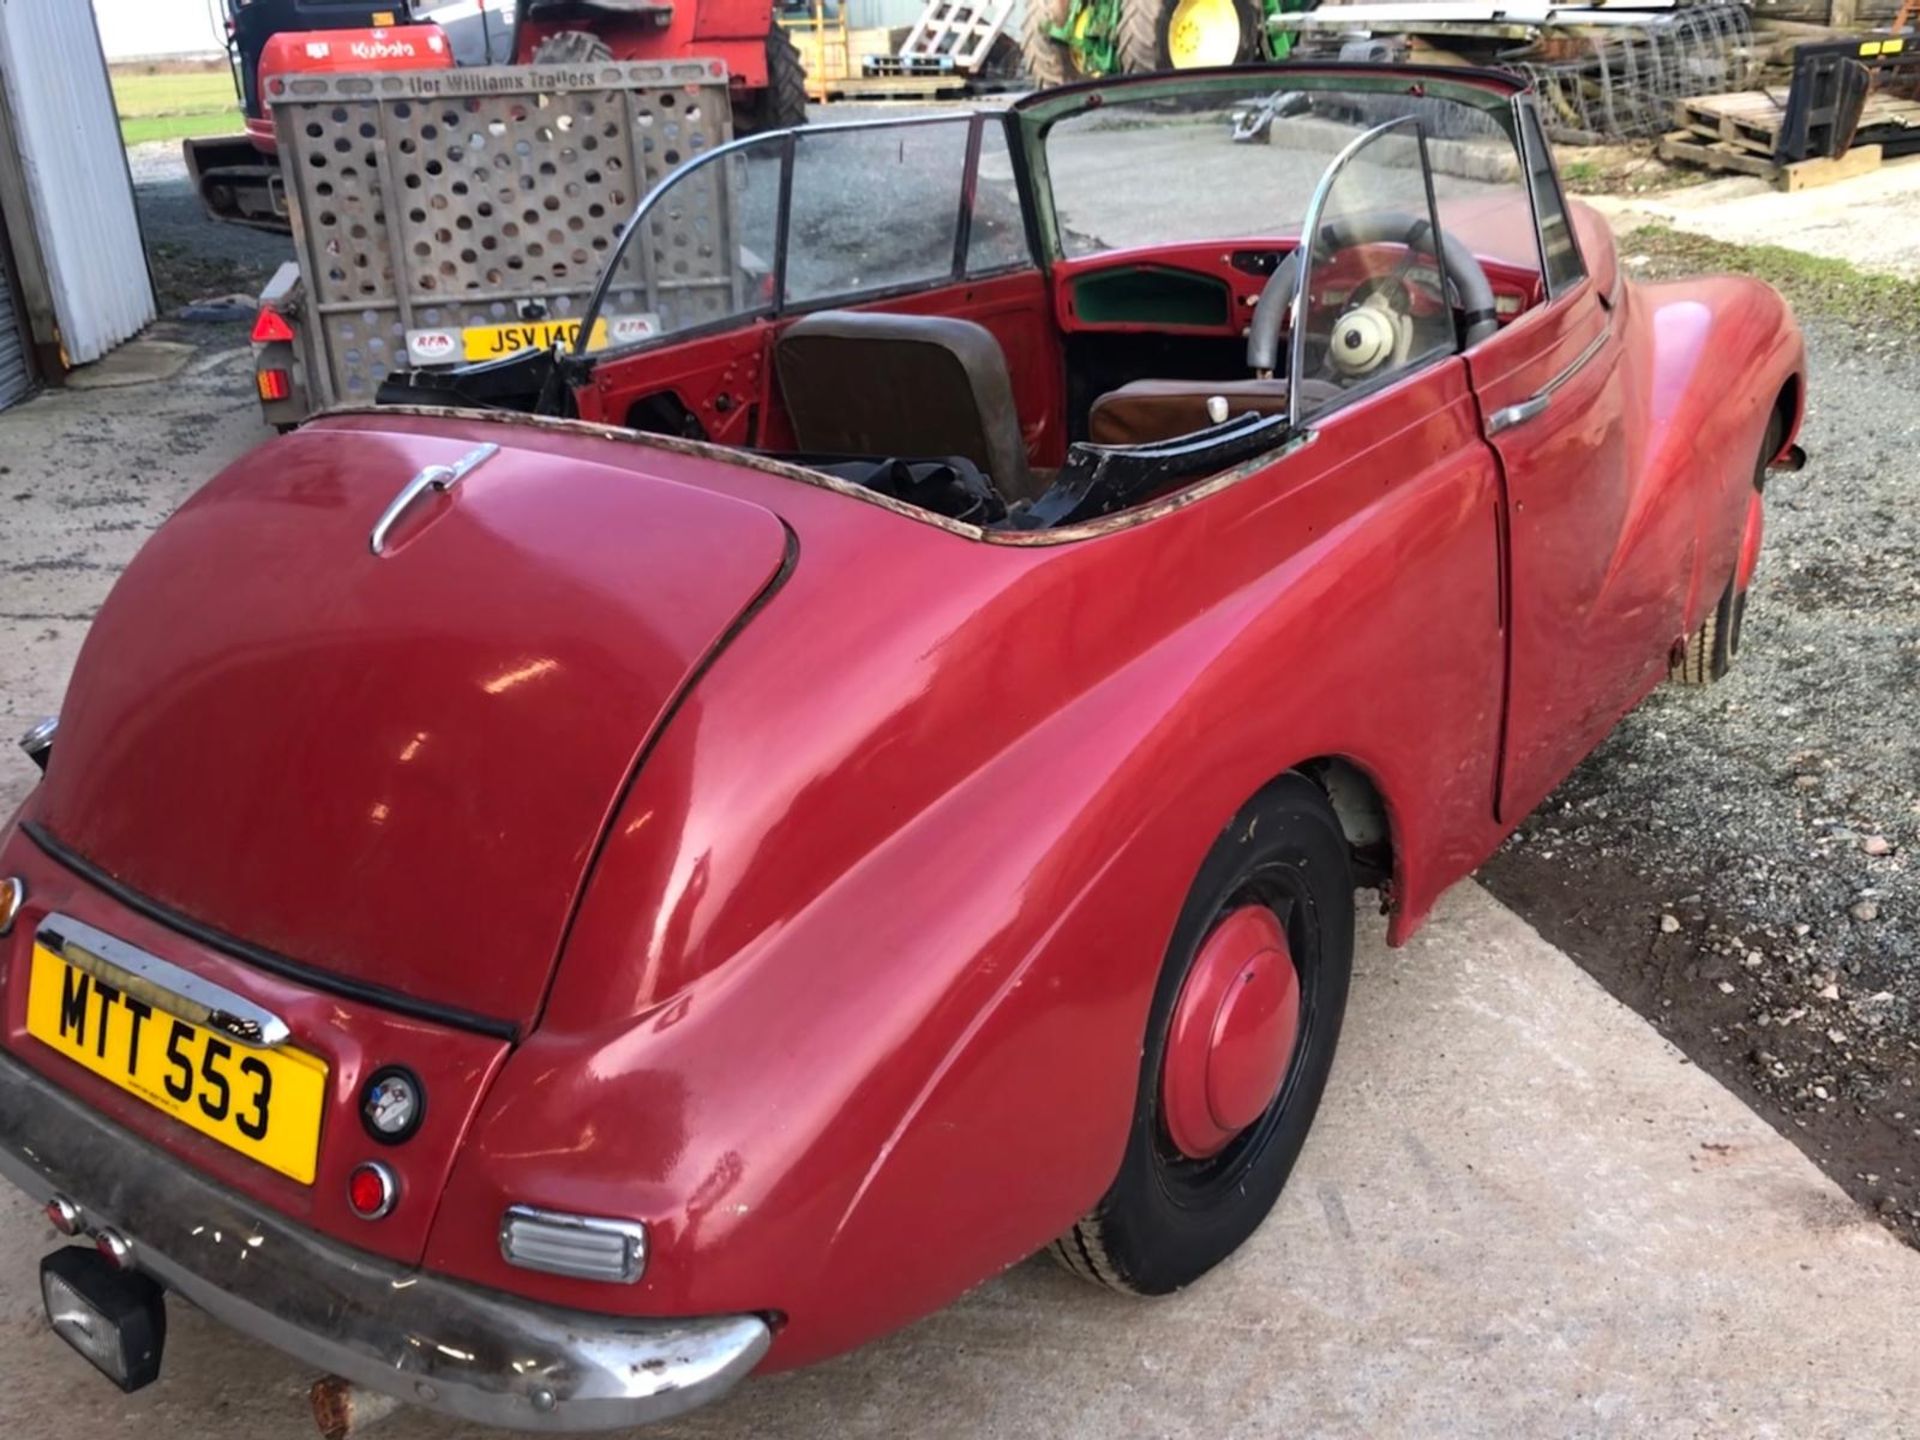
15 378
428 204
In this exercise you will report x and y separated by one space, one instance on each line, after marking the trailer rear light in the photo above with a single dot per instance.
582 1246
270 327
274 384
13 894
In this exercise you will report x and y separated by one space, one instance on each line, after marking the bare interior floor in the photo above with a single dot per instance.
1522 1213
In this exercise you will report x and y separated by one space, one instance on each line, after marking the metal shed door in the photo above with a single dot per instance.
14 375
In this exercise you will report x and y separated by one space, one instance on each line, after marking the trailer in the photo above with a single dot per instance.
440 217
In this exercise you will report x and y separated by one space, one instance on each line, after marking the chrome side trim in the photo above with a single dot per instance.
482 1356
160 983
434 477
1536 404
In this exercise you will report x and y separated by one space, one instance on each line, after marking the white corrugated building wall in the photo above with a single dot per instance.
76 268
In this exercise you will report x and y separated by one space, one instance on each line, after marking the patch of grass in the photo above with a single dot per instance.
177 127
193 93
1813 284
169 105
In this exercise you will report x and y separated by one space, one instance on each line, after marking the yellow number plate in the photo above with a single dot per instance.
490 342
264 1103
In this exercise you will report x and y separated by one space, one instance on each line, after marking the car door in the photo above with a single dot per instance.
1592 558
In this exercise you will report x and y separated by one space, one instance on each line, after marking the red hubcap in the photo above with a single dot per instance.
1233 1034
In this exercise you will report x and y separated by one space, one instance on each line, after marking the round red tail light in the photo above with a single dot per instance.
371 1190
63 1215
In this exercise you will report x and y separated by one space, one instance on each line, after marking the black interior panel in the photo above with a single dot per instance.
1099 363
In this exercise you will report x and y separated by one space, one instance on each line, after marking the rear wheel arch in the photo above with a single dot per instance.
1365 817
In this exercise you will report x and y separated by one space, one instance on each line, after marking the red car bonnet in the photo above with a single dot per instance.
395 768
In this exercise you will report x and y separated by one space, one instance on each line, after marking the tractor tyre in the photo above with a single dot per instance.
1045 59
1136 46
1197 33
571 47
783 103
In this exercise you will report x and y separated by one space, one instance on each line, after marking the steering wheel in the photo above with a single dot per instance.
1468 283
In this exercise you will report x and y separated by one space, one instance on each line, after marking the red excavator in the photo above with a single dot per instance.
238 176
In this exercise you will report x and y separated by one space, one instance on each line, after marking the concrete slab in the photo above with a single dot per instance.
1522 1213
138 362
1871 220
85 476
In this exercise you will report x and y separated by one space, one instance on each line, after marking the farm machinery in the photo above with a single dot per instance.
1067 40
239 178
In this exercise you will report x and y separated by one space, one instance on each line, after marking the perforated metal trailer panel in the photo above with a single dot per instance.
430 204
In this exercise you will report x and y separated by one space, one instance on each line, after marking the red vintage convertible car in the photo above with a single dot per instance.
620 868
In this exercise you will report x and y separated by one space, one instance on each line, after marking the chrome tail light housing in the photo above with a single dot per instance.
585 1247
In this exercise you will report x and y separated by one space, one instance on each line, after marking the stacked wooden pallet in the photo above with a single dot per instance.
1739 133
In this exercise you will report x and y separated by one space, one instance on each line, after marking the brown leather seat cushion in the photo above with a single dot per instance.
914 386
1151 410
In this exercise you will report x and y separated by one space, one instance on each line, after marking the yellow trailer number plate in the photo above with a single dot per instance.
266 1104
490 342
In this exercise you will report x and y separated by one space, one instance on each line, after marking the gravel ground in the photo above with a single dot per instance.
191 256
1739 863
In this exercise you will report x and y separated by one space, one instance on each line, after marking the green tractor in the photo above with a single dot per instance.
1067 40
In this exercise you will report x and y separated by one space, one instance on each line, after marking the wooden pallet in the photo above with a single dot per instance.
1692 148
1749 119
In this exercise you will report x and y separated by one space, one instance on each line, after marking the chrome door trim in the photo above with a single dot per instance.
160 983
1536 404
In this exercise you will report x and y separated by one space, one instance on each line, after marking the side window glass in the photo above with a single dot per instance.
1376 298
873 209
998 239
702 255
1559 251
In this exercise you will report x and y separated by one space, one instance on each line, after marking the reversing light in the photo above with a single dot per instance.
270 327
371 1190
583 1246
13 894
274 384
392 1106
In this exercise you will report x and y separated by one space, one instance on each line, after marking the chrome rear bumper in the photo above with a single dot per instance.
479 1355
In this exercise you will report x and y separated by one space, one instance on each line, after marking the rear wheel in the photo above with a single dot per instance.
1708 653
783 103
1239 1042
1196 33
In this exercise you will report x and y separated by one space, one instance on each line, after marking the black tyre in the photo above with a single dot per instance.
783 103
571 47
1710 650
1050 62
1196 33
1044 58
1708 653
1168 1217
1136 46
